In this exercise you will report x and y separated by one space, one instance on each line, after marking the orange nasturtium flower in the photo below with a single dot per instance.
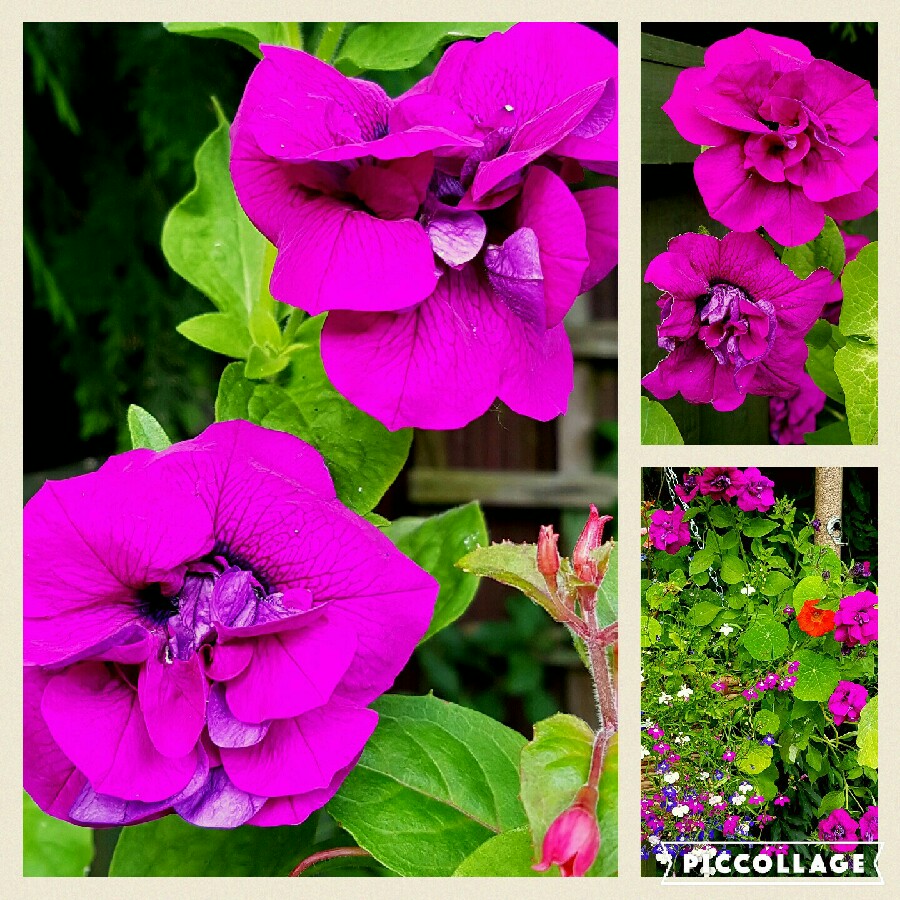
815 621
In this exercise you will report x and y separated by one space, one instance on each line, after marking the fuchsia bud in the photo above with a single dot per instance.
548 556
583 561
573 839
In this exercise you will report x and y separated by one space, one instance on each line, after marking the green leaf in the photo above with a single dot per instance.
651 631
753 758
657 424
702 613
209 241
835 433
824 251
831 802
758 527
434 782
506 855
554 766
387 46
813 759
859 310
171 846
145 431
363 457
820 362
765 638
50 847
776 583
437 544
867 736
514 565
220 332
810 588
702 561
247 34
856 364
766 722
721 516
817 676
734 570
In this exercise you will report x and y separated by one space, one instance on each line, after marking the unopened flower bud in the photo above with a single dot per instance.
583 558
573 839
548 555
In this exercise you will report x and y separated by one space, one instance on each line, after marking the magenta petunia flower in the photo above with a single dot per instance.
790 418
687 490
856 621
733 319
205 628
716 481
868 824
729 826
847 702
753 491
840 831
440 230
781 800
729 755
791 138
667 530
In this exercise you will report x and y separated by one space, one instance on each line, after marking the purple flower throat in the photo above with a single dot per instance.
218 594
737 329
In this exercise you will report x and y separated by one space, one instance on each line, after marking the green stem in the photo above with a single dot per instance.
331 37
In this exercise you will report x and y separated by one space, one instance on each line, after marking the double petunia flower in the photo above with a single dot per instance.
205 628
440 230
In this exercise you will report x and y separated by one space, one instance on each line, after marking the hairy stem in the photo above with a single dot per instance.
322 855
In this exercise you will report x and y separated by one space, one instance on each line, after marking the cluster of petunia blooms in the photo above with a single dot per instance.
444 231
787 139
749 488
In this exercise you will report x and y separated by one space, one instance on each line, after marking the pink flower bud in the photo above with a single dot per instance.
573 839
585 565
548 555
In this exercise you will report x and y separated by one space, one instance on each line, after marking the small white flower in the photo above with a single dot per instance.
664 857
679 811
726 629
647 723
743 828
671 777
704 776
745 786
716 798
644 752
737 799
685 692
747 590
665 698
653 839
682 739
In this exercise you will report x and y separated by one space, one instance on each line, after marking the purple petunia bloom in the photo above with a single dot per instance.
440 230
733 319
667 530
790 418
840 831
691 486
847 702
768 740
753 491
856 621
791 138
788 611
205 628
862 569
729 755
716 481
868 824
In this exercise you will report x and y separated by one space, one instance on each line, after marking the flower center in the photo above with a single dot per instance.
736 328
